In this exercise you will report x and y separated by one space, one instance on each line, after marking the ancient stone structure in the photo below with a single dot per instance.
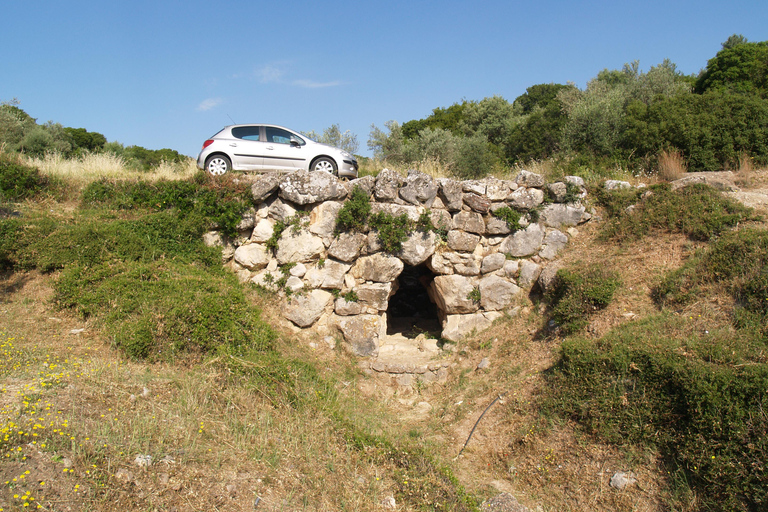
473 266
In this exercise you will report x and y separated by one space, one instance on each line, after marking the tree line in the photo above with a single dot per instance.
21 133
623 118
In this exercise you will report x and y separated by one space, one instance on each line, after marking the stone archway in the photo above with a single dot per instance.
411 311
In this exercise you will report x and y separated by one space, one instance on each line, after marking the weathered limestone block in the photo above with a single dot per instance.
498 190
265 186
452 294
451 193
471 222
439 265
302 187
557 191
478 187
348 246
441 219
374 295
511 268
305 309
493 262
387 184
280 210
247 222
547 276
365 183
476 203
558 215
361 333
525 242
529 179
529 273
322 218
252 256
554 242
298 270
418 247
342 307
380 268
526 198
461 241
496 226
458 327
616 184
496 293
293 247
294 284
330 275
419 189
263 230
265 278
396 210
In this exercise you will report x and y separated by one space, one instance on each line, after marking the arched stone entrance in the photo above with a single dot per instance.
411 311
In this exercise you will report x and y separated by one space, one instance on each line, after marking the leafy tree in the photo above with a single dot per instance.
739 67
492 118
539 96
333 136
387 145
441 119
733 41
85 140
14 123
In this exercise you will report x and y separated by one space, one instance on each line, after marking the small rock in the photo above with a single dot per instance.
389 503
484 363
145 392
231 489
504 502
76 331
621 480
124 475
143 461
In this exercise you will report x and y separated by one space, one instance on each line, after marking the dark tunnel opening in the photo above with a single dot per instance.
411 311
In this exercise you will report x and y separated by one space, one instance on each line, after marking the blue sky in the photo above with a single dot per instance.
171 73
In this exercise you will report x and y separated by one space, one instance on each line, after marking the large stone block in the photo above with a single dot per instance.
347 246
252 256
305 309
419 189
525 242
378 267
361 333
471 222
418 247
458 327
304 187
496 293
453 294
295 247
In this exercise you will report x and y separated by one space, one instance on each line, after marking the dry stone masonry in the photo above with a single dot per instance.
474 265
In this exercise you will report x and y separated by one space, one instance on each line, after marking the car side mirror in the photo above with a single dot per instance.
295 143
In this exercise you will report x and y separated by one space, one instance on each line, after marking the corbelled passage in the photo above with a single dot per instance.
460 252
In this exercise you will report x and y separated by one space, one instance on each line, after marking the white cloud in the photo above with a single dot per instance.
270 73
311 84
209 104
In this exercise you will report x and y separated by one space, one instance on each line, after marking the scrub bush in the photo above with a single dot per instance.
577 294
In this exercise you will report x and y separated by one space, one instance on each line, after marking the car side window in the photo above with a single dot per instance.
246 132
280 136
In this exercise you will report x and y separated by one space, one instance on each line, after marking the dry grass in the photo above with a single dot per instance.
672 165
93 166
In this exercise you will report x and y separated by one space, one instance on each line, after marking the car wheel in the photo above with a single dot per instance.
324 164
218 165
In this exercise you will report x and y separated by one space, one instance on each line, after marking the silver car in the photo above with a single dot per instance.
257 147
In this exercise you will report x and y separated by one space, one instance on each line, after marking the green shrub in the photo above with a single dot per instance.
510 216
689 397
579 292
163 309
19 182
392 231
354 213
698 211
219 207
739 263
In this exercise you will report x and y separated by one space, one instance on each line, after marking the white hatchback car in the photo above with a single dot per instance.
257 147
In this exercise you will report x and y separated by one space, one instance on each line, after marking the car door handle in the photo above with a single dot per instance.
234 144
270 147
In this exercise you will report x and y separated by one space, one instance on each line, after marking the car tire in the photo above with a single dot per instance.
325 164
217 165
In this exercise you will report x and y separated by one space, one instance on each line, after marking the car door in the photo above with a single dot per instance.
247 147
284 150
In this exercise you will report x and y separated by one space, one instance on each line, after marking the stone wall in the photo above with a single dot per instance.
480 267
